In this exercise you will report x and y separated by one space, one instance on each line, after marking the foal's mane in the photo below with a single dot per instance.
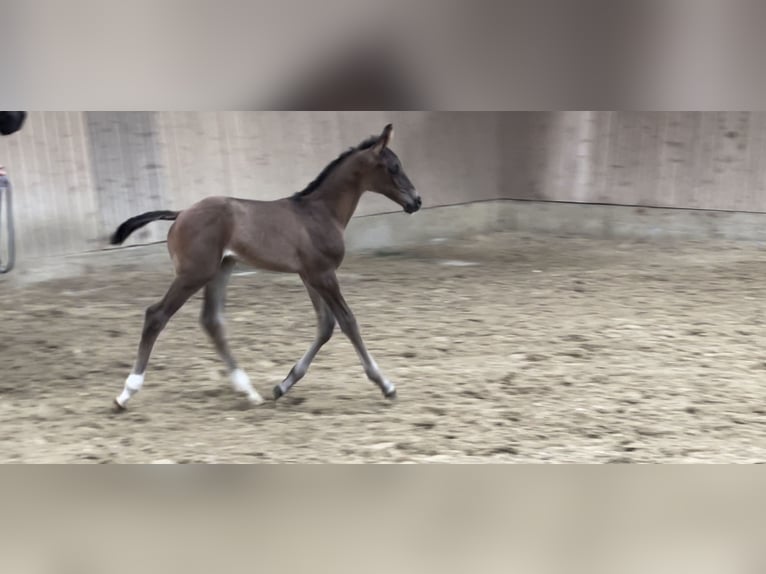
330 167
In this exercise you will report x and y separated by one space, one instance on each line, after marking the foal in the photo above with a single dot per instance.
301 234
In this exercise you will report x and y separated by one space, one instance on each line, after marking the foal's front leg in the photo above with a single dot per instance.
325 327
328 288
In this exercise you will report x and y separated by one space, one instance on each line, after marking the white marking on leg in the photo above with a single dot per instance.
133 384
228 253
241 383
375 375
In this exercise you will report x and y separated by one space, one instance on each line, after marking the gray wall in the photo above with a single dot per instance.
700 160
77 175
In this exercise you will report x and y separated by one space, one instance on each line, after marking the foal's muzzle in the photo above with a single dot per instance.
413 205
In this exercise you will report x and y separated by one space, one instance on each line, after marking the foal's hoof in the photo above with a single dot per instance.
117 407
278 392
390 395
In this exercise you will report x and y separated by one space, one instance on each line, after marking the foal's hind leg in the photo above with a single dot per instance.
325 327
327 286
213 323
157 316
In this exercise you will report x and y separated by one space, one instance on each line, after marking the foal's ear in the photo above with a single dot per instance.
384 139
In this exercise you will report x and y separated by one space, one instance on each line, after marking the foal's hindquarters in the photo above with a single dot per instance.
196 243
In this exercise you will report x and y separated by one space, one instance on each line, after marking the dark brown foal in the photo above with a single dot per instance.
301 234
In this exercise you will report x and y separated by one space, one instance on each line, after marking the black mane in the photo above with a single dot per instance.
366 144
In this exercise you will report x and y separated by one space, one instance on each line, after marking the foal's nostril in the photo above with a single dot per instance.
413 204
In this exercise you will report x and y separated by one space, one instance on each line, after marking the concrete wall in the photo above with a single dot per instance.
77 175
56 208
699 160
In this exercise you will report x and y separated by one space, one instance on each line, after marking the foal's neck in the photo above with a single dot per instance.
340 195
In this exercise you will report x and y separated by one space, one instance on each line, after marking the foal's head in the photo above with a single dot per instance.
383 173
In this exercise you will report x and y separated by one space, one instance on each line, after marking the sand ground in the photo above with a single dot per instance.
543 349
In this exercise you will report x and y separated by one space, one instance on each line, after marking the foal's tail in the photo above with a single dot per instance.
137 222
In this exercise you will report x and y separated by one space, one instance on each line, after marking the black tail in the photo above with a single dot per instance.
137 222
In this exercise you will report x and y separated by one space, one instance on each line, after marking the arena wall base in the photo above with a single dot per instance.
397 230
